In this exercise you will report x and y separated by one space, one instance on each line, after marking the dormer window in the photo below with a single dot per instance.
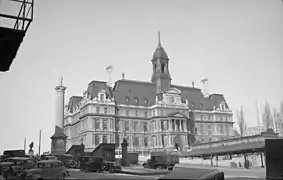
222 106
145 101
136 100
101 97
127 99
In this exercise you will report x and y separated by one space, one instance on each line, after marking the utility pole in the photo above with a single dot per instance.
39 143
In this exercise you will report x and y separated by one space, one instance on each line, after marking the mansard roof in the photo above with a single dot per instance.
141 93
137 93
73 102
95 87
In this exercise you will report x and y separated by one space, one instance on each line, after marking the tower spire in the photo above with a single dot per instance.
159 43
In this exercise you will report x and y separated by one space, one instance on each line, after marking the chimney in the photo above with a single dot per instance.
205 91
123 76
193 84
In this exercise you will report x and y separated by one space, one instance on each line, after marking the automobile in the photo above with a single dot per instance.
3 159
97 164
193 172
72 164
15 166
47 169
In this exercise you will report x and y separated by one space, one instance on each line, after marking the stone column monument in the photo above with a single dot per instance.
58 144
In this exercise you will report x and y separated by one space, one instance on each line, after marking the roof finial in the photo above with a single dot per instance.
159 43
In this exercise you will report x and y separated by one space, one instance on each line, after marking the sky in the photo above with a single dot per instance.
236 44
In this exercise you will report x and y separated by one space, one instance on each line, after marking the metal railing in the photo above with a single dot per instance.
24 17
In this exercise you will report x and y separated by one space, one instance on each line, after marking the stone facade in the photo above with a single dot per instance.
152 115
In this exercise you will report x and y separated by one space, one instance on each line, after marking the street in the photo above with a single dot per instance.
75 174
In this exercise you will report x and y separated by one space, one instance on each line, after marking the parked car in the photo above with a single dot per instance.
47 169
15 166
72 164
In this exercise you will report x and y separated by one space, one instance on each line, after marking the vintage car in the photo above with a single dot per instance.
15 166
194 172
97 164
3 159
71 164
47 169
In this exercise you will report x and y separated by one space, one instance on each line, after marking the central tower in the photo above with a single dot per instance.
160 63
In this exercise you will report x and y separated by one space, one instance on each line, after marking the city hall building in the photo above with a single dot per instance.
153 115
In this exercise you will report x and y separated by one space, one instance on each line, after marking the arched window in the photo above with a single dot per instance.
162 68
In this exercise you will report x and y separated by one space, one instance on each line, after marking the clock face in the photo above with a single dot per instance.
171 100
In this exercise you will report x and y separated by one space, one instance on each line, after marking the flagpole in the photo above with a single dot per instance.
39 143
25 143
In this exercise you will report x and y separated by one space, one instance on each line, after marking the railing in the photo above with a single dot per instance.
24 17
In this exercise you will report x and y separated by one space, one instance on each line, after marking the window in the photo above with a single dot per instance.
145 127
226 118
209 129
182 125
201 129
153 113
93 139
136 141
137 113
104 139
145 141
163 140
127 99
137 101
127 112
105 110
145 101
162 67
162 125
101 97
97 110
221 118
135 126
201 117
105 126
161 112
96 139
221 129
127 125
145 114
227 130
97 124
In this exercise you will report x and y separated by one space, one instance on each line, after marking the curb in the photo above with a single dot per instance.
141 173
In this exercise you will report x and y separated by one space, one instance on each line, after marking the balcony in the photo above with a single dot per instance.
13 29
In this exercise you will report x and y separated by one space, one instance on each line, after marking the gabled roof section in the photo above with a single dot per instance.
73 102
138 93
95 87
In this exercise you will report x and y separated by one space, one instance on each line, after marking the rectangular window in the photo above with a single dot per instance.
145 114
162 125
93 139
105 110
163 140
97 110
96 139
136 141
127 112
226 118
145 127
153 113
145 141
221 118
104 139
105 126
135 126
137 113
182 125
127 125
201 118
97 123
101 97
161 112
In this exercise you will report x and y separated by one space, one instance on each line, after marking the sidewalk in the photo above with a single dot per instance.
142 171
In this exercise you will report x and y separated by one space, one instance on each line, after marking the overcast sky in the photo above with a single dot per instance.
236 44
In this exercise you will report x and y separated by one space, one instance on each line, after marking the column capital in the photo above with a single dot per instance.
60 88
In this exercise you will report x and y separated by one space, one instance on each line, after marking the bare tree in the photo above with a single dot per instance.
241 122
276 119
267 119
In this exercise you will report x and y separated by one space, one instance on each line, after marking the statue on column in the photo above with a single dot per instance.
30 152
